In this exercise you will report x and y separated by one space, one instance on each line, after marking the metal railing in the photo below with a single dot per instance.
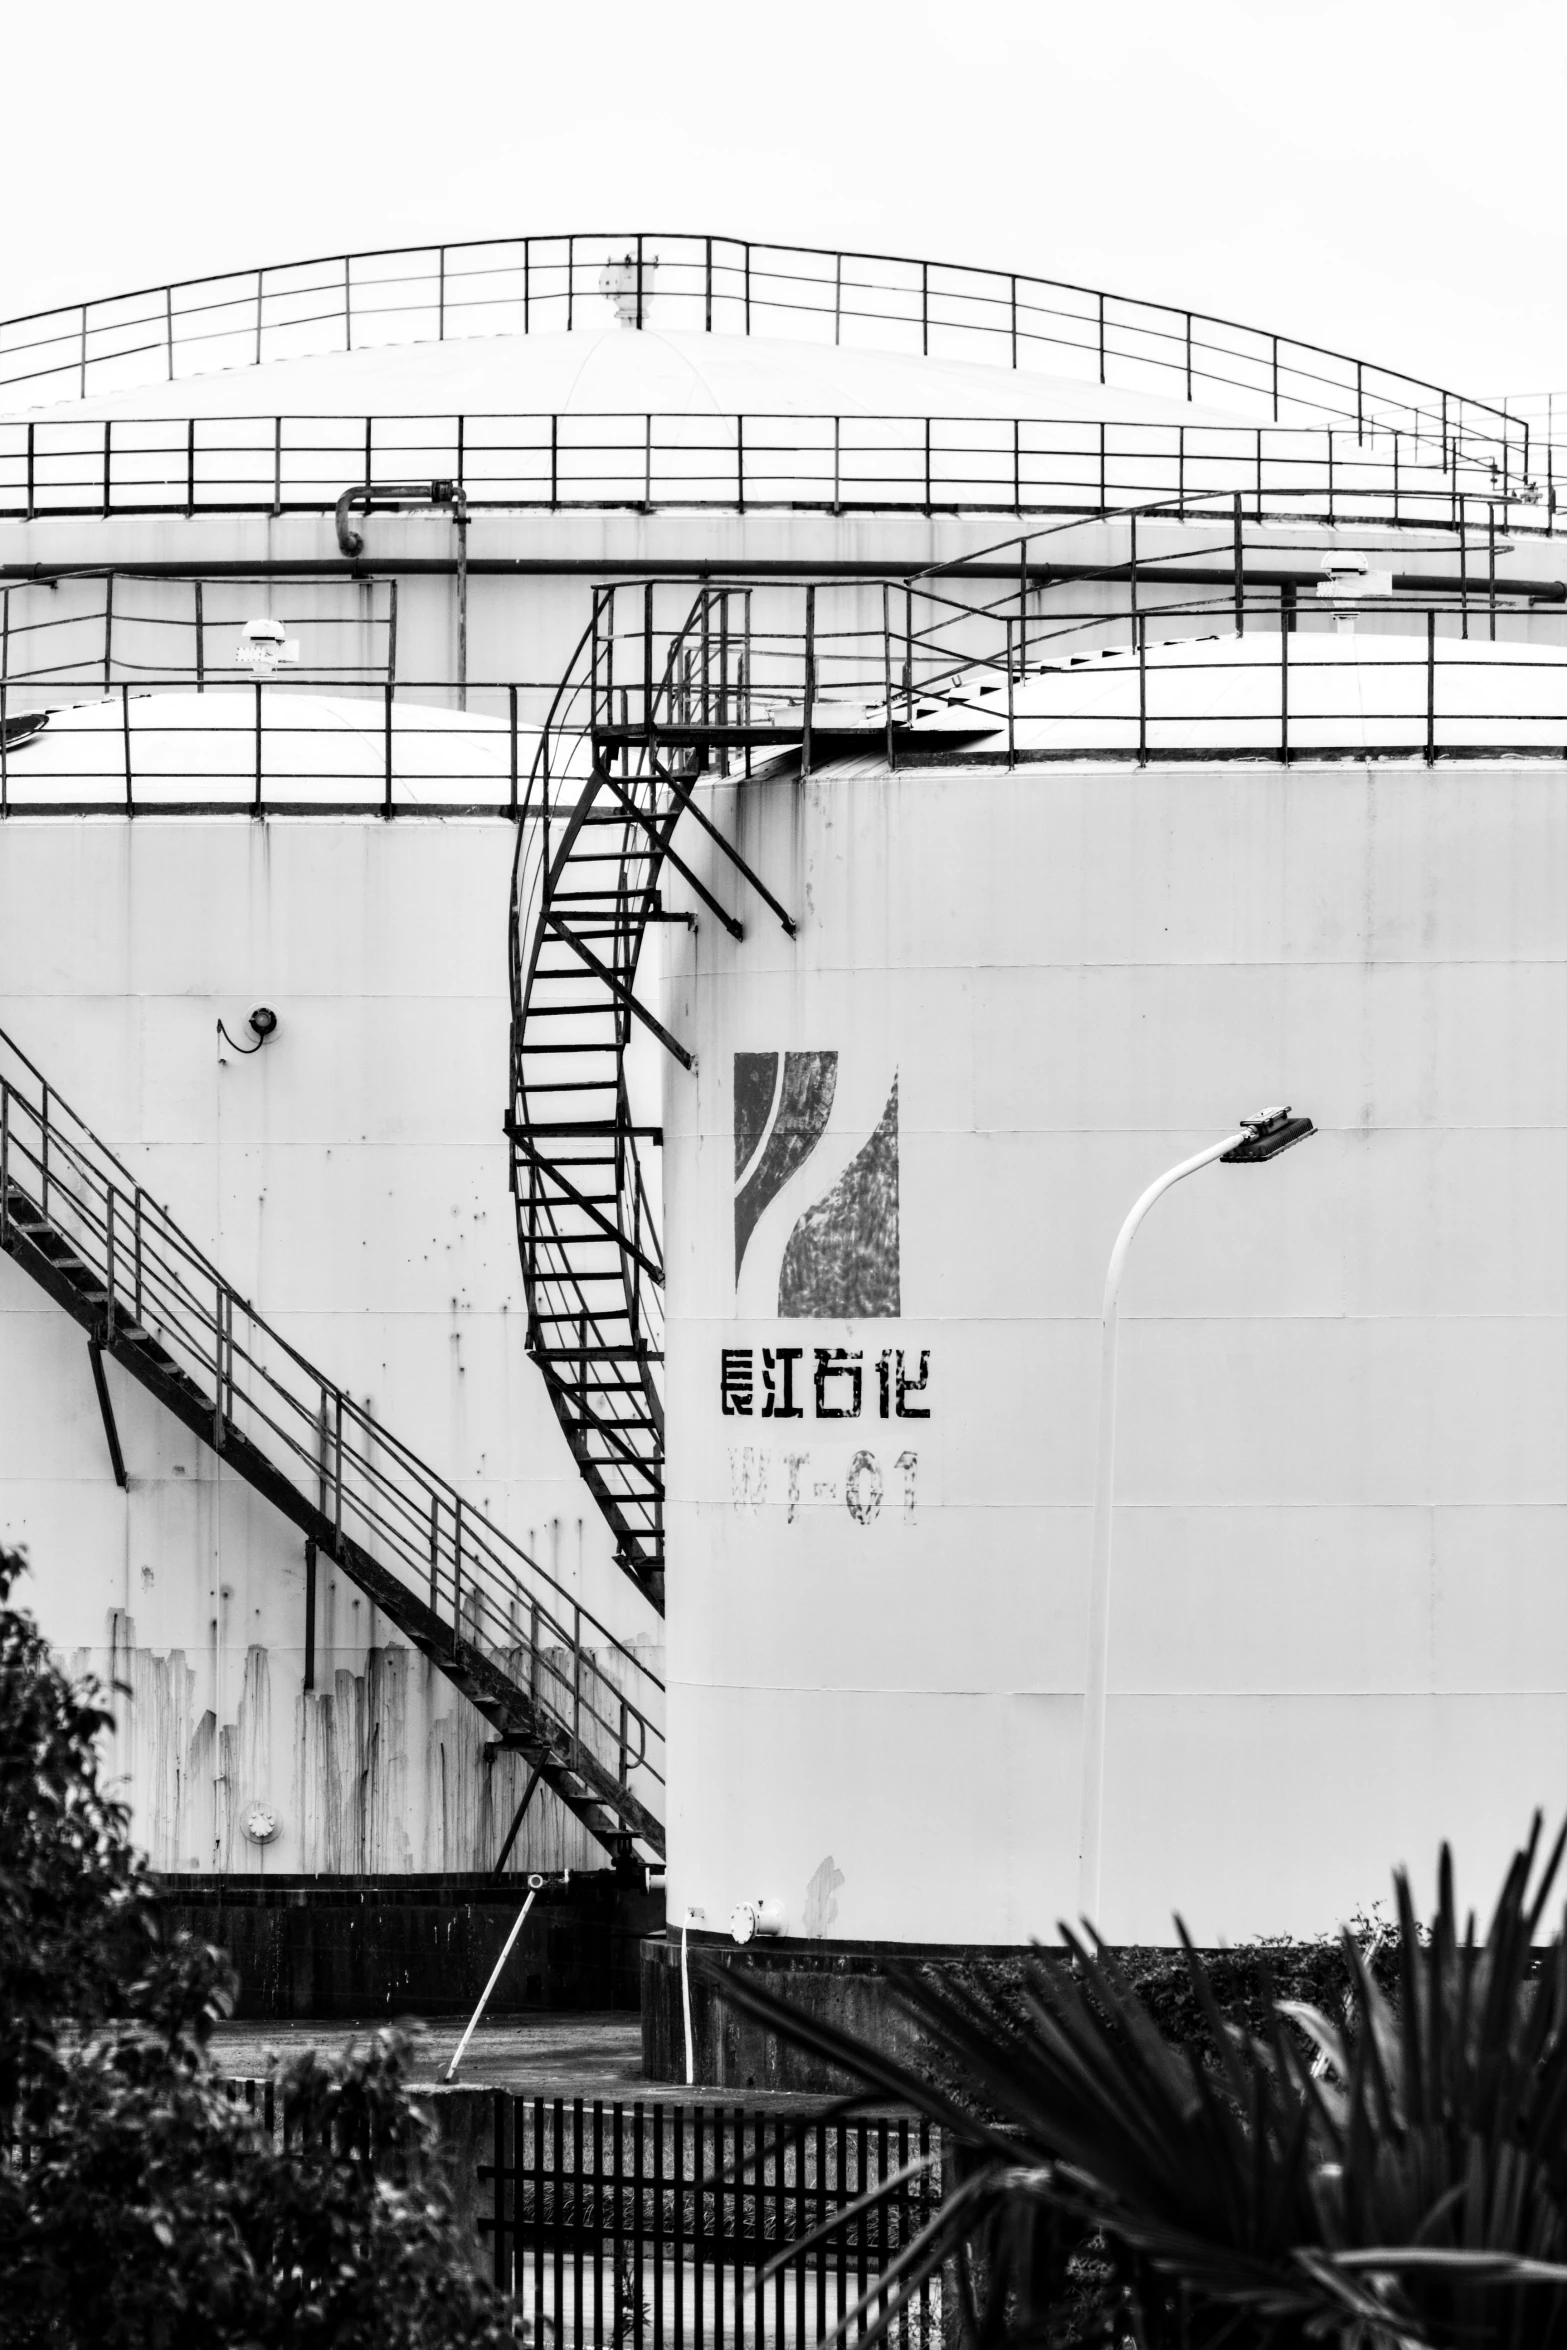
654 2223
739 668
112 625
495 1601
668 687
833 464
715 284
267 746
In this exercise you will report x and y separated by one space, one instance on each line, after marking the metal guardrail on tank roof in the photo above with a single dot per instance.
862 463
716 284
668 691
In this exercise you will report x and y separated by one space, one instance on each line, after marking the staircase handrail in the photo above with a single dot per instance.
155 1278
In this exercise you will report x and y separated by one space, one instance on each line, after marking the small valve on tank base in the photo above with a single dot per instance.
762 1917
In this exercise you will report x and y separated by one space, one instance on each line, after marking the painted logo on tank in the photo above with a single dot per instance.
840 1260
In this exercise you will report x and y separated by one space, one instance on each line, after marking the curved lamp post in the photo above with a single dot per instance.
1258 1139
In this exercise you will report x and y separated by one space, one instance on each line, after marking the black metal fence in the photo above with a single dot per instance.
653 2224
797 462
708 284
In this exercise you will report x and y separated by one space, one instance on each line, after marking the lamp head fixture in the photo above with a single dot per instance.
1270 1132
262 1023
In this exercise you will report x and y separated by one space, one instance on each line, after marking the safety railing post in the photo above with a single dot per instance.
108 1263
217 1367
256 806
810 677
512 707
1131 574
1022 603
435 1550
337 1480
647 662
456 1569
1142 699
43 1155
1431 687
5 1165
533 1650
1011 729
576 1679
386 805
624 1742
136 1201
723 668
1284 686
125 748
886 669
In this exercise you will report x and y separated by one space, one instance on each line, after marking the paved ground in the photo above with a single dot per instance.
572 2055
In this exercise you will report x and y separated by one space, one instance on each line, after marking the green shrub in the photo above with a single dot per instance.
138 2205
1176 2152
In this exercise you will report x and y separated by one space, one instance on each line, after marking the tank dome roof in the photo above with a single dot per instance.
616 370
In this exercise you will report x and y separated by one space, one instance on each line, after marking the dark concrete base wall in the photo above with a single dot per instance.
406 1946
842 1983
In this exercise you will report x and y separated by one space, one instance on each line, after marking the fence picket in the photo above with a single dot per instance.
686 2216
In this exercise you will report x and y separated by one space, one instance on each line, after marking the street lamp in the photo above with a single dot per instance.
1259 1139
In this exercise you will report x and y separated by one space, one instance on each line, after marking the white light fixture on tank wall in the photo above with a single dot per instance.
262 1023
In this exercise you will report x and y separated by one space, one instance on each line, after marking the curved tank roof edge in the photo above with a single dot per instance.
720 284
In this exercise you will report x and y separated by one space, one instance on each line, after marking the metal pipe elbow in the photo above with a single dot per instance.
349 540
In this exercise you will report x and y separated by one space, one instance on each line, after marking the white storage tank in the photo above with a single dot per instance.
1339 1625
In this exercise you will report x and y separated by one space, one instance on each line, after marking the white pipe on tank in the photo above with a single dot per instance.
1092 1816
685 1989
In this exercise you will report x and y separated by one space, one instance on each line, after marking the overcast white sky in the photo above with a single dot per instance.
1384 176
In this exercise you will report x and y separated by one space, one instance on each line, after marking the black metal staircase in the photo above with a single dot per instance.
666 694
554 1683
